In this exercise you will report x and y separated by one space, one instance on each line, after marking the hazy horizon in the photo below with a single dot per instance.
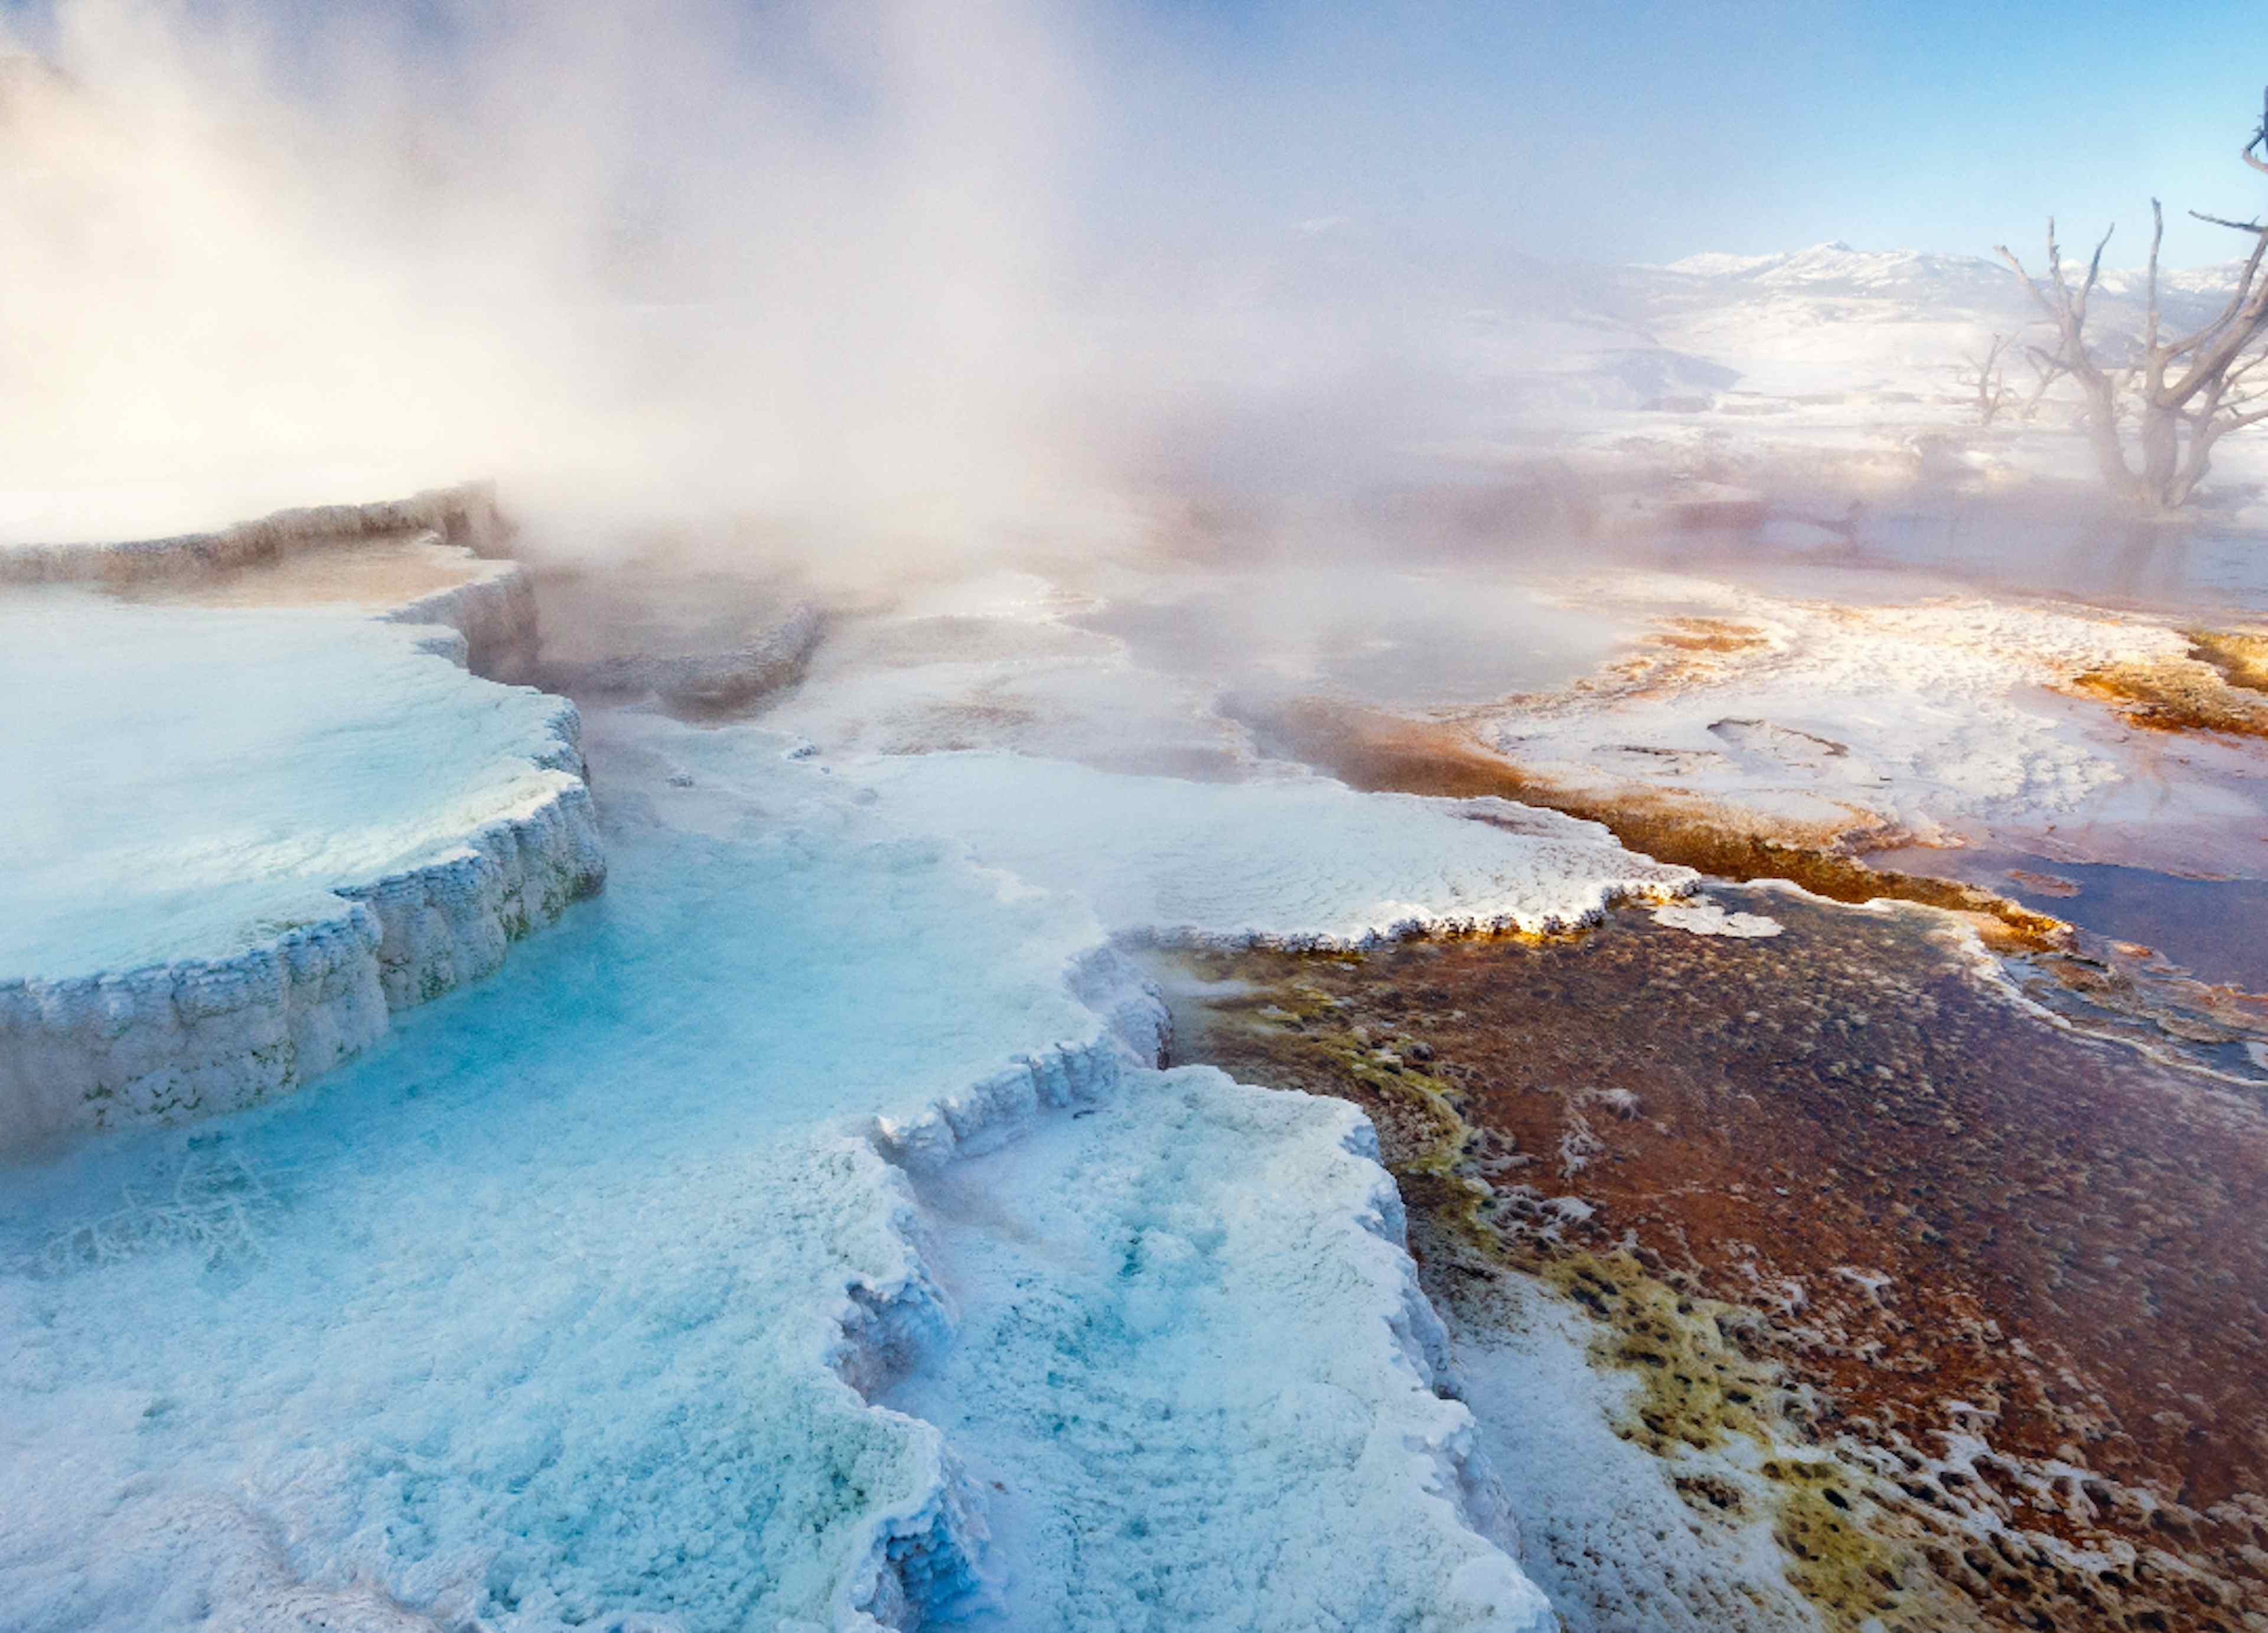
906 272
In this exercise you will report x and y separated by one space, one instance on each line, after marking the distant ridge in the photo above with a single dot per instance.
1835 264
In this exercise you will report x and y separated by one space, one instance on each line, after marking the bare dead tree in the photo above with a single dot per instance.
2045 372
2071 355
2188 391
1985 376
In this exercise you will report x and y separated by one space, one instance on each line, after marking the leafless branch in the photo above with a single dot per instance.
2157 237
2237 300
2246 367
1988 378
2093 269
2174 399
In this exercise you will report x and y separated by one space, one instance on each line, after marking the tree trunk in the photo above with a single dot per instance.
2102 435
2161 457
2194 467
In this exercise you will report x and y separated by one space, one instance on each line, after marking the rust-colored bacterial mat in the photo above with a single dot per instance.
1982 1302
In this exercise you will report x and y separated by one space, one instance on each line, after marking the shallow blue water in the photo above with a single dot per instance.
525 1315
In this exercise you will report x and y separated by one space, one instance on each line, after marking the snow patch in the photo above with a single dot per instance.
1709 918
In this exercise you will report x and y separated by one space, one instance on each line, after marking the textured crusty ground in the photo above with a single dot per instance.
1376 751
1845 1203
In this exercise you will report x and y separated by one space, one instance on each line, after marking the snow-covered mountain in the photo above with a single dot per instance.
1834 283
1838 268
1807 334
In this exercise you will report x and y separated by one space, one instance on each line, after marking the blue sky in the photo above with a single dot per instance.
1644 129
1650 129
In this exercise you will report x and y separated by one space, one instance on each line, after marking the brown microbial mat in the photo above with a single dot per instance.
1369 749
381 572
1973 1309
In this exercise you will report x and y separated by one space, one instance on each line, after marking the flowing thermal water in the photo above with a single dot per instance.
773 1230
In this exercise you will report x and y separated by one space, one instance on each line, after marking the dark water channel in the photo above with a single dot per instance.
2215 929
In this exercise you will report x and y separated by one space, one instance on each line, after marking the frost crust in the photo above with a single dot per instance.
191 1037
464 515
304 970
